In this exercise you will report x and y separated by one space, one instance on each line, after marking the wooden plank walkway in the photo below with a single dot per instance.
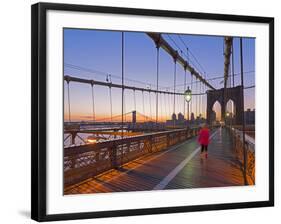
175 168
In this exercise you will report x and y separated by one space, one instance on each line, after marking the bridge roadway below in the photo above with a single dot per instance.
178 167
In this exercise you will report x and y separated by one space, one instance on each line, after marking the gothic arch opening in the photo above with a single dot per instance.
216 112
230 112
234 94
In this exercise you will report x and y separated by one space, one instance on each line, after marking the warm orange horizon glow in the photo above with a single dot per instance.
118 118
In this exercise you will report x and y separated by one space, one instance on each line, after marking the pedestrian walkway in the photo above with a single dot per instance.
178 167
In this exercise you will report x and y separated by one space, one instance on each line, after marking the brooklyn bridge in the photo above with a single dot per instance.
151 141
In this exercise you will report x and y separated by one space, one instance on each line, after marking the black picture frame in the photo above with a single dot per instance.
39 107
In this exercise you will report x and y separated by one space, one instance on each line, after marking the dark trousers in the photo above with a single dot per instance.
204 148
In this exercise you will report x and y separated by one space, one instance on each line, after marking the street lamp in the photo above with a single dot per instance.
187 96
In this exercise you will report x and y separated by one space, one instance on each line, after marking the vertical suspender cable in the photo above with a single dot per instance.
68 97
110 100
175 70
157 80
199 99
203 99
243 119
165 104
201 96
195 90
188 103
150 106
169 106
93 102
143 108
232 59
184 91
160 107
191 85
202 104
125 118
179 104
122 71
185 87
205 102
163 107
135 108
155 108
232 64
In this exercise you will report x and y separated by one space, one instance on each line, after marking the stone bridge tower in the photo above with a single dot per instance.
223 96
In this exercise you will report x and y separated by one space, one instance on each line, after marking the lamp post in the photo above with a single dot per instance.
187 96
227 121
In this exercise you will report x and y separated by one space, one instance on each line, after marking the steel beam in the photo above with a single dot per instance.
158 39
68 79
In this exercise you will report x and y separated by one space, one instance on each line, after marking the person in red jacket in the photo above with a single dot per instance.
204 140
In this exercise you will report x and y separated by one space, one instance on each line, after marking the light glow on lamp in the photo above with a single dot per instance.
187 95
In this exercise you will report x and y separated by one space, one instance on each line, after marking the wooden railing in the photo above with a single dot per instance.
250 152
85 161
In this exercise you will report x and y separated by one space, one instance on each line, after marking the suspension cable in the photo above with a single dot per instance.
68 97
201 99
160 111
122 71
175 70
184 90
232 60
169 102
125 106
93 102
150 106
165 107
196 101
135 108
178 104
110 101
143 105
157 80
205 101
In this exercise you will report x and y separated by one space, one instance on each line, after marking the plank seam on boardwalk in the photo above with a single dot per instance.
178 168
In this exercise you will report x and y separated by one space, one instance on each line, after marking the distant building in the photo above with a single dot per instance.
180 118
174 121
249 116
174 117
192 117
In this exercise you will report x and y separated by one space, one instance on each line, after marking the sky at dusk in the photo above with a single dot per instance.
94 54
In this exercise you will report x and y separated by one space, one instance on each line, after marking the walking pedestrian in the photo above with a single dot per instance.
204 140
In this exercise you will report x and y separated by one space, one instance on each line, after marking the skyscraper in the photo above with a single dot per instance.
174 117
180 118
192 116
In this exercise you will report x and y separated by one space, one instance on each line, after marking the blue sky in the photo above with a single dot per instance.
100 52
